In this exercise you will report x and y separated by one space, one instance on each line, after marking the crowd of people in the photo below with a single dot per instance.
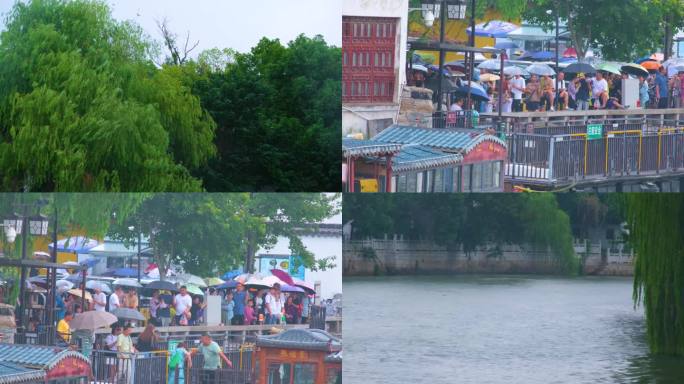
577 91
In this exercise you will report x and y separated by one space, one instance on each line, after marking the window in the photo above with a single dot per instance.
344 58
497 174
439 180
429 178
401 183
304 374
457 180
355 27
487 180
376 62
353 59
368 30
411 182
333 376
279 373
467 170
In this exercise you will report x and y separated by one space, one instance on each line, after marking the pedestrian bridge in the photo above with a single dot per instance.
614 150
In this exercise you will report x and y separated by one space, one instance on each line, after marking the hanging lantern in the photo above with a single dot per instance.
456 9
38 225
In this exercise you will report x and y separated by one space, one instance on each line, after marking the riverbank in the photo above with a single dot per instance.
377 257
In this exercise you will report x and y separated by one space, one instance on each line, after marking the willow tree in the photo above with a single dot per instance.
84 108
657 225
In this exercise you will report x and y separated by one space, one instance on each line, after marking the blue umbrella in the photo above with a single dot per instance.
506 45
475 93
494 28
230 275
543 55
643 59
75 244
228 284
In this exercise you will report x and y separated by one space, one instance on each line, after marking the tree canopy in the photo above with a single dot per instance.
84 106
466 220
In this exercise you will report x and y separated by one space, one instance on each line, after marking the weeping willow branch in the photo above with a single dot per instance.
657 229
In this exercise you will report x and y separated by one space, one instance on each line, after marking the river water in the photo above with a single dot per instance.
497 329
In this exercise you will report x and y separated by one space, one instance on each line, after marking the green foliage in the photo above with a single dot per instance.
605 24
82 106
657 230
456 220
277 111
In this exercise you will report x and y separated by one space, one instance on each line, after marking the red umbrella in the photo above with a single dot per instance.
282 275
570 52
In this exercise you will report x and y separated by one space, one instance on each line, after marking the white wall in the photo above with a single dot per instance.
331 279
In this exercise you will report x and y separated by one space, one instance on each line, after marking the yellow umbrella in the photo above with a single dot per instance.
213 281
489 77
78 292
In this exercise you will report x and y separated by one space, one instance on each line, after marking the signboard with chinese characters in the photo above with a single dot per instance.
69 367
594 131
287 263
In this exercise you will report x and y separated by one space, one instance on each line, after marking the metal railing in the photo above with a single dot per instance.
618 153
110 367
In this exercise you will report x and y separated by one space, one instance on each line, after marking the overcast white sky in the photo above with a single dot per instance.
233 24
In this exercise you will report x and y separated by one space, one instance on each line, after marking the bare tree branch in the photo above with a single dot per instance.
170 41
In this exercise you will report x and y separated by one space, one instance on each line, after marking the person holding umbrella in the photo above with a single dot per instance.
582 95
643 92
662 91
599 91
240 299
534 94
63 328
99 299
517 88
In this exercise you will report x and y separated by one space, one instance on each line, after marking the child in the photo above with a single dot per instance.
249 312
177 361
230 304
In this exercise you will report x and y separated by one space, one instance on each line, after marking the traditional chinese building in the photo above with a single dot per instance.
33 364
373 63
299 356
479 166
355 152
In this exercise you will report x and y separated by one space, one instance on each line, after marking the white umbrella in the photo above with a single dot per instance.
475 85
64 285
540 70
418 67
492 64
514 71
93 284
127 283
188 278
92 320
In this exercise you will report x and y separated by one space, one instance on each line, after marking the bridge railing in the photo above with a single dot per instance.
618 153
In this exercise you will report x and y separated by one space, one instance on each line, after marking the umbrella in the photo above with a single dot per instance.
75 278
306 286
193 289
227 285
41 255
230 275
291 288
514 71
128 314
39 280
634 69
506 45
493 28
188 278
126 283
580 68
456 74
540 69
650 65
475 93
92 284
92 320
570 52
543 55
283 276
78 293
489 77
419 67
162 286
491 64
526 55
609 67
211 281
64 285
75 244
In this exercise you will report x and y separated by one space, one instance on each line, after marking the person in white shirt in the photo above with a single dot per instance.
182 302
517 89
114 301
599 91
274 305
457 106
99 300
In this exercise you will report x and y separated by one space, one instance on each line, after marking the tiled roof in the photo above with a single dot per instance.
353 147
416 157
11 374
311 339
35 356
448 139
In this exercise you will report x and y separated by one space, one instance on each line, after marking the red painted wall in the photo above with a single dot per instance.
485 151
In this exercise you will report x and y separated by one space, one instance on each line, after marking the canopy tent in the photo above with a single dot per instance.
532 33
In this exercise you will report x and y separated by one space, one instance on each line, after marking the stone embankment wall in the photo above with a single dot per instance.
372 257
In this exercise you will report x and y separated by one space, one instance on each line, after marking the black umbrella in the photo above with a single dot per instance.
576 68
162 285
